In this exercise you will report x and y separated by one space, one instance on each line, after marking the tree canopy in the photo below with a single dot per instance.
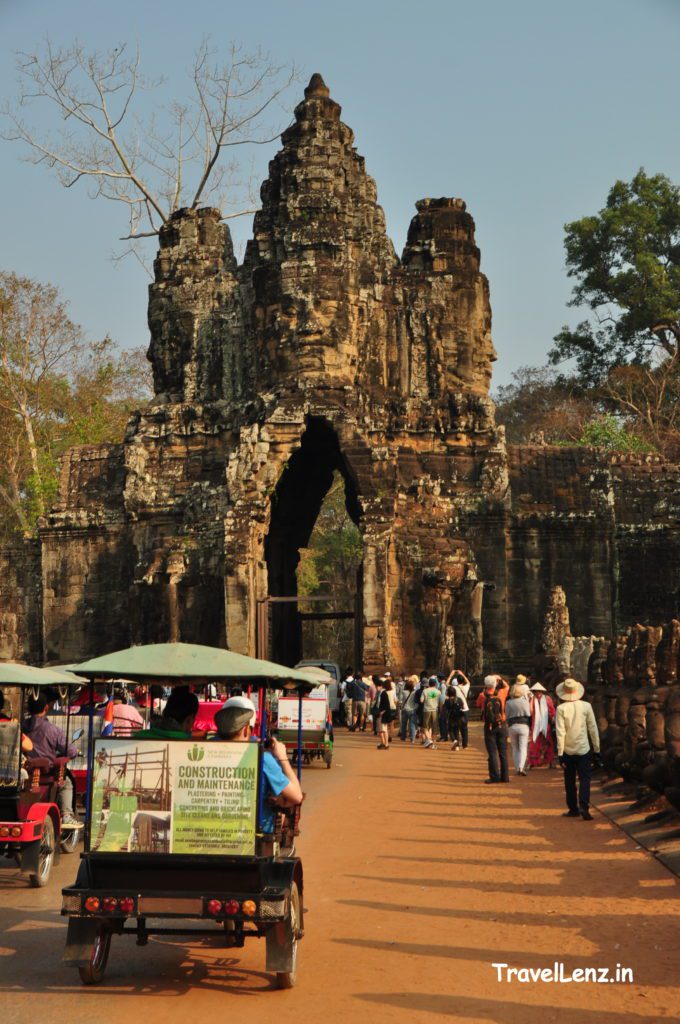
626 261
57 389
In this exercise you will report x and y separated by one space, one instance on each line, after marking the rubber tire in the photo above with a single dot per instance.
93 972
70 839
40 878
287 979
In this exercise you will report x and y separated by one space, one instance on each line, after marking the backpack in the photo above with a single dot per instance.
493 713
455 706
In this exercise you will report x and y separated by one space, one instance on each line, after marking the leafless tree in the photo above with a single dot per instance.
182 155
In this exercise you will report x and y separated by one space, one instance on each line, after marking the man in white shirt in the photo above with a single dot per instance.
577 739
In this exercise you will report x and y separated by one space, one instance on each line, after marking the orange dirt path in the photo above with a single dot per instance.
417 878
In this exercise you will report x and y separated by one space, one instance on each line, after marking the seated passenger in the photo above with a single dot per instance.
177 720
235 722
126 717
26 743
50 742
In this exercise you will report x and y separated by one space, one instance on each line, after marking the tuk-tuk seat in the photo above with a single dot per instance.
43 772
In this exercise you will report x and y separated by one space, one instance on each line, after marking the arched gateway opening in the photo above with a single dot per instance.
296 503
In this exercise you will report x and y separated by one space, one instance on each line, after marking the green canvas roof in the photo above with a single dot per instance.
13 674
187 661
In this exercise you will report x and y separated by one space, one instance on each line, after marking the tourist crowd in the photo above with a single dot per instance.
520 722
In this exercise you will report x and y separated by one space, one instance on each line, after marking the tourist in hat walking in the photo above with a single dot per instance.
518 716
577 739
492 702
541 741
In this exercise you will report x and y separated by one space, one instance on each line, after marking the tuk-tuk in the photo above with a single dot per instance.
306 726
172 830
31 828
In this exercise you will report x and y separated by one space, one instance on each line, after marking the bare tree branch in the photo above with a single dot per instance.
153 165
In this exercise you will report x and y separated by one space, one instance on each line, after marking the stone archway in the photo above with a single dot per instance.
295 505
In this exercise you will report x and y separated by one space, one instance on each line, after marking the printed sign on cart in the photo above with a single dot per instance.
155 796
313 713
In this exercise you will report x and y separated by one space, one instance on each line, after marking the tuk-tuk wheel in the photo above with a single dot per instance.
41 877
93 972
70 839
286 979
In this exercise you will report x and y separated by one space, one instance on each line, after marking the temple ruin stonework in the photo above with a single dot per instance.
325 352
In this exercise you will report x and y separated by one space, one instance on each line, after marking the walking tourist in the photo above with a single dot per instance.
541 742
359 694
456 710
387 711
373 701
492 702
409 712
518 717
577 740
459 724
430 699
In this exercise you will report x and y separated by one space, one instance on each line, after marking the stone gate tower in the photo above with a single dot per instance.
326 352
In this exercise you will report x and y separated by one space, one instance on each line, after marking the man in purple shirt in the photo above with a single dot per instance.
50 742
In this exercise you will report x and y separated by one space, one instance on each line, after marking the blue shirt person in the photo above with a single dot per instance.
235 722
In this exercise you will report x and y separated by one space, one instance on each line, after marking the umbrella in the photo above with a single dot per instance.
13 674
187 661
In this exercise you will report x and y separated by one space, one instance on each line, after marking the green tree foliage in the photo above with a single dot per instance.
626 261
329 565
610 433
56 390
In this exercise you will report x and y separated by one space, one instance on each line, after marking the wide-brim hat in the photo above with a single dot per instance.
570 689
539 687
520 680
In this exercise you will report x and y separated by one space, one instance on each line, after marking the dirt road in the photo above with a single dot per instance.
418 878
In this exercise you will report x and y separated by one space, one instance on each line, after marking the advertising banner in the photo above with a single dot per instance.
160 796
313 713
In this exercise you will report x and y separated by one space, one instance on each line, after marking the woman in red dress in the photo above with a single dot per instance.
541 742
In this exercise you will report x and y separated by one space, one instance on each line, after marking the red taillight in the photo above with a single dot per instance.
92 904
110 903
4 831
16 831
126 905
231 906
214 907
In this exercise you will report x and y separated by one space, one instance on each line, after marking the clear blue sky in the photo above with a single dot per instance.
527 109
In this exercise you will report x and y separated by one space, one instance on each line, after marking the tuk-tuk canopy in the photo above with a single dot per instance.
190 661
13 674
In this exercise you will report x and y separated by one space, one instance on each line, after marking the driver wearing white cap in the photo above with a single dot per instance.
235 721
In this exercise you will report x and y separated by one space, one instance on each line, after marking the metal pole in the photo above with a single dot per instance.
263 736
90 759
299 740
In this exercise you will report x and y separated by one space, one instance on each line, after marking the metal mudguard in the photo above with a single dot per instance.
80 937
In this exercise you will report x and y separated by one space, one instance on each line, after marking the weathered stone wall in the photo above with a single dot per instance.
20 626
326 352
